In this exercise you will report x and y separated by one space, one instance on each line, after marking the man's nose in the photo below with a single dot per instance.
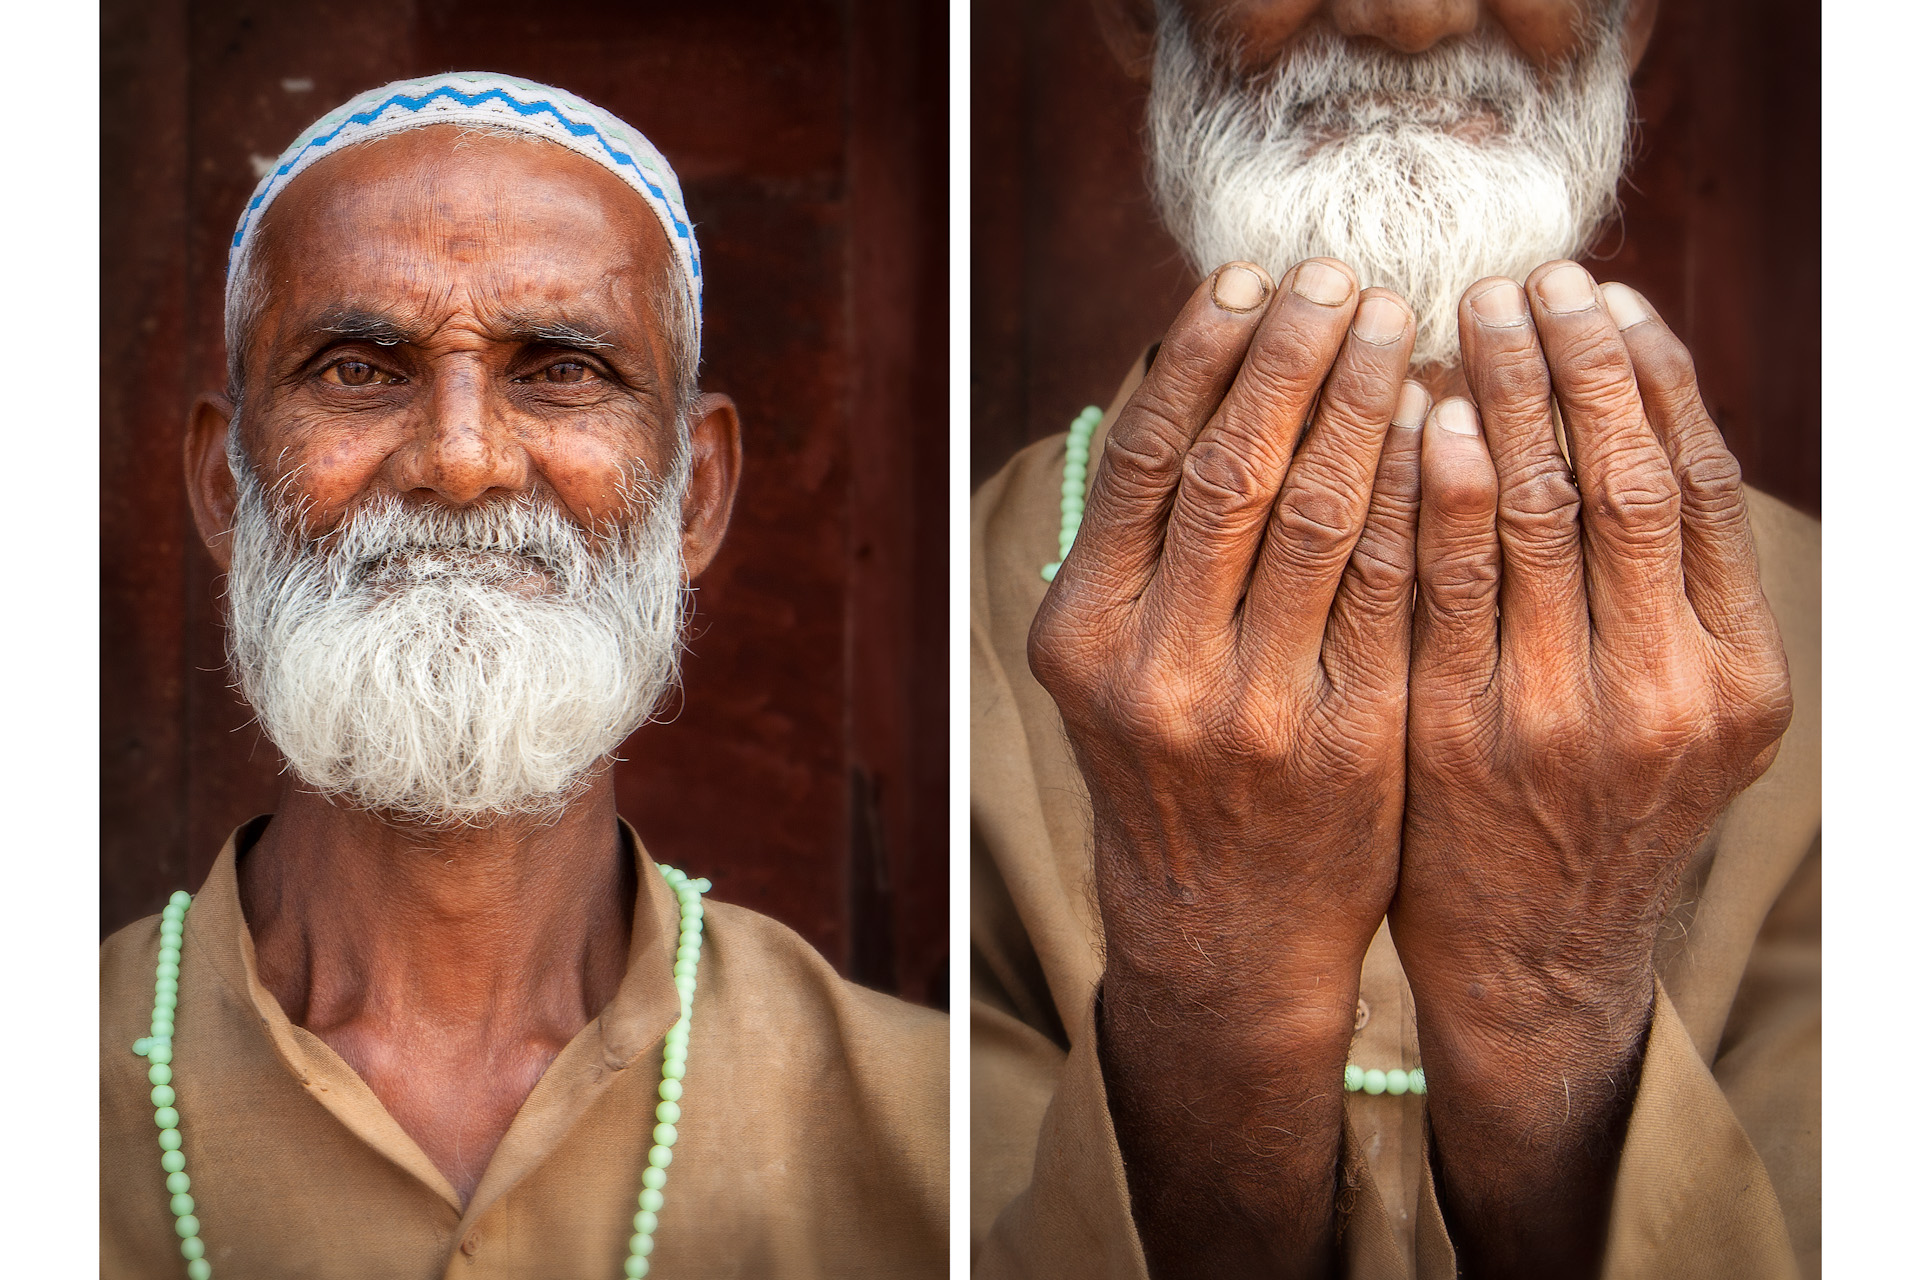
1408 26
464 447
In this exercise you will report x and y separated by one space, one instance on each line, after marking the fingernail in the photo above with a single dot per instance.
1381 320
1318 282
1500 306
1625 305
1566 288
1411 412
1457 416
1238 288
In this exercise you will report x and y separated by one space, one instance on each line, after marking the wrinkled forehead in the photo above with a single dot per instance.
455 104
439 226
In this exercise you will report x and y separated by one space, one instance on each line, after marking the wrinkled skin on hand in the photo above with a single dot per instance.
1227 643
1595 675
1279 744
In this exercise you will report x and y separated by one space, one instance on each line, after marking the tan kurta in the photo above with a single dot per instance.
1720 1176
813 1139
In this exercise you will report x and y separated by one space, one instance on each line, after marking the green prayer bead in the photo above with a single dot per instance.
178 1182
180 898
199 1269
665 1134
1376 1082
674 1070
162 1095
181 1204
143 1046
670 1090
668 1112
168 971
660 1157
653 1179
169 1139
1396 1082
167 1118
636 1268
161 1053
1417 1080
641 1245
171 1160
192 1247
645 1221
650 1199
683 968
166 1000
169 955
159 1073
1355 1078
187 1226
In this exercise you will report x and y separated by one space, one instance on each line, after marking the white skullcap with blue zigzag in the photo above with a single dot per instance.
494 101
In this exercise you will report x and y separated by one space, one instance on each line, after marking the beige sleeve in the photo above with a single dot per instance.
1721 1171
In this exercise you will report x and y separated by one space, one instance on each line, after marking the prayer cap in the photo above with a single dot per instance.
493 101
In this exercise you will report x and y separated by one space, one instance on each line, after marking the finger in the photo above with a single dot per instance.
1121 529
1630 500
1456 638
1543 592
1234 469
1718 562
1370 629
1323 501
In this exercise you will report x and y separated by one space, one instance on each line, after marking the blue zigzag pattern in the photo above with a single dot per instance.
578 130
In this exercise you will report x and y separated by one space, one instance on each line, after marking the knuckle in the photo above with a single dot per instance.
1511 378
1145 445
1666 361
1379 571
1593 369
1540 503
1287 364
1458 584
1314 520
1638 498
1222 475
1711 483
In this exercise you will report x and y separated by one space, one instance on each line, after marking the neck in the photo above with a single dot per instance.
514 931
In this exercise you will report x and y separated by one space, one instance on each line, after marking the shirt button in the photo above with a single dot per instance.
471 1245
1361 1015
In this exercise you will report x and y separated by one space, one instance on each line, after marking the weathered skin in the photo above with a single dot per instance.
449 967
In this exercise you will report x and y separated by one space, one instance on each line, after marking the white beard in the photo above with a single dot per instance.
1423 173
453 666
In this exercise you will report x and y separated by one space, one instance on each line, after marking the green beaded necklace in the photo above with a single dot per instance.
157 1049
1073 501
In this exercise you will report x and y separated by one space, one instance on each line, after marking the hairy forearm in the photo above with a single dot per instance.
1227 1103
1530 1087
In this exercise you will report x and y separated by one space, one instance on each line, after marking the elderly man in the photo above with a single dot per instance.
1388 858
440 1014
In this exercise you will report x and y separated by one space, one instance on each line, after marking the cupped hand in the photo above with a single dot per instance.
1595 674
1228 643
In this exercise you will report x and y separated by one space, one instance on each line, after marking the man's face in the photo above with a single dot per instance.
1428 145
452 319
466 499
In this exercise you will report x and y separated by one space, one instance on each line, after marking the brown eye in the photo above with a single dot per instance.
355 373
567 371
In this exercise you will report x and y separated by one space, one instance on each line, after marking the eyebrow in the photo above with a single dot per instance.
387 330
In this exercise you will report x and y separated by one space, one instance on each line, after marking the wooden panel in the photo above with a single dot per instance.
1720 223
816 681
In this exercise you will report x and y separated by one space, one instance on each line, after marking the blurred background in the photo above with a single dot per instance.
806 772
1073 277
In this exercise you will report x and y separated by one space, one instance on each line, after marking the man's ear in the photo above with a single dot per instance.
1128 28
1638 29
713 479
210 486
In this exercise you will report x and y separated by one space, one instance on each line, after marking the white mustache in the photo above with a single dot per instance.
450 665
